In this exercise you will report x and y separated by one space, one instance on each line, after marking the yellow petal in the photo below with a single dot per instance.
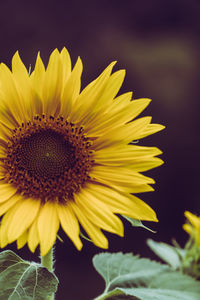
123 155
150 129
69 224
37 79
188 228
117 116
22 240
104 115
98 214
145 165
125 188
47 225
38 75
18 67
11 103
193 219
6 115
71 90
122 203
6 219
89 97
6 191
52 86
21 217
3 236
119 177
112 87
123 135
23 84
66 63
2 172
92 230
3 144
5 134
6 205
33 236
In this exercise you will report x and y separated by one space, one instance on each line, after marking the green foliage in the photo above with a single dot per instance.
23 280
186 260
130 277
169 254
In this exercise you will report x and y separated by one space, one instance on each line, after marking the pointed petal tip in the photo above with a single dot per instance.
106 246
79 64
153 217
187 214
32 246
17 62
31 249
54 55
161 162
156 219
79 246
16 59
121 233
159 152
188 228
112 64
44 250
151 189
162 127
38 54
55 51
123 72
16 54
147 100
103 245
64 49
3 243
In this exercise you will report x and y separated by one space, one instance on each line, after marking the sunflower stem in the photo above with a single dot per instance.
47 261
109 294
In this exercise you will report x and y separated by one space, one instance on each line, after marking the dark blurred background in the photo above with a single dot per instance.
157 42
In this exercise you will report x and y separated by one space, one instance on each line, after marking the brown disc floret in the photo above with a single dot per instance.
48 159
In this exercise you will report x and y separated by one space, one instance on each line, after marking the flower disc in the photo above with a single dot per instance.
48 159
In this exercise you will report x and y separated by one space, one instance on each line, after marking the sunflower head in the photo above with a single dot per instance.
67 157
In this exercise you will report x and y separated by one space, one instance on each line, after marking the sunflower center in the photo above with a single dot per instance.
48 158
46 154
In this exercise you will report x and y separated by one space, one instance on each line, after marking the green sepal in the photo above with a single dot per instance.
137 223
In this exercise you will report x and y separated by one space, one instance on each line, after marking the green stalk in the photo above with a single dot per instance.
107 295
47 261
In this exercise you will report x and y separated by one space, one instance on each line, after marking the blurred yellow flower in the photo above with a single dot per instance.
193 227
65 155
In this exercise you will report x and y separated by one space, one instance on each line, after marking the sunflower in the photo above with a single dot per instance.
192 227
67 157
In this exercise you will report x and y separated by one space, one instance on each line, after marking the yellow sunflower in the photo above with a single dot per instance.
66 157
192 227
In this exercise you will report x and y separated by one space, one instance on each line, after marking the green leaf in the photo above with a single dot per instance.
167 253
137 223
159 294
127 275
23 280
118 269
